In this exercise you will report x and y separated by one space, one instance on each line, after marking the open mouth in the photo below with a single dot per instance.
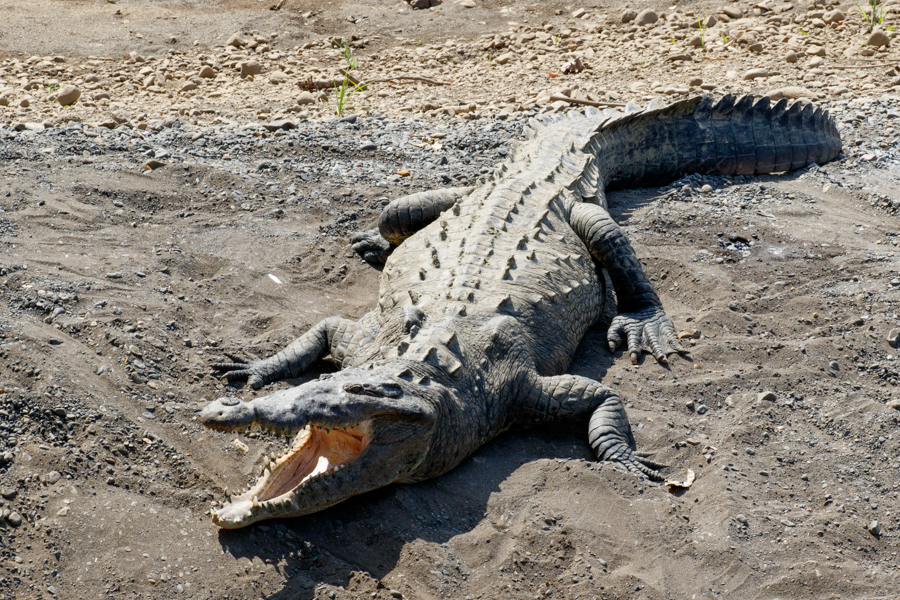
316 454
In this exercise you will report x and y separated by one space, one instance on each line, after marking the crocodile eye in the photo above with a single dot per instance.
383 390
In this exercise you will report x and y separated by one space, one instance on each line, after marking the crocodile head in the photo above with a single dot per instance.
353 431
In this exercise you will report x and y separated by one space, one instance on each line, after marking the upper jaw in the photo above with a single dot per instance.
344 444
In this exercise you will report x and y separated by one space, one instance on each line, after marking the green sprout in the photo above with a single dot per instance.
702 33
348 87
724 38
877 16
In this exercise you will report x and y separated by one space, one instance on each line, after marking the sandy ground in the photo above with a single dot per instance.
121 285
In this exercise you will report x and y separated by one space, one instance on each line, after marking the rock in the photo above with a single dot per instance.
207 72
695 82
278 77
52 477
8 493
629 15
775 95
756 47
894 403
578 13
468 4
646 17
794 92
706 189
503 58
153 164
768 396
893 337
305 98
815 51
695 41
276 125
833 16
815 61
236 40
250 68
742 519
708 22
14 519
874 527
755 73
4 100
188 87
732 12
680 57
68 95
878 38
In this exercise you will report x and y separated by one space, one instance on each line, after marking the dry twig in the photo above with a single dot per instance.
586 102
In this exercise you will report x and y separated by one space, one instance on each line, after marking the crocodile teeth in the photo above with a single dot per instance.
321 467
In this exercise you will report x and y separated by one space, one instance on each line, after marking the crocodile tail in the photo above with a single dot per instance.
731 136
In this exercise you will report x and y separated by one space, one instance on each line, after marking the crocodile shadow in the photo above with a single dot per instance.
367 533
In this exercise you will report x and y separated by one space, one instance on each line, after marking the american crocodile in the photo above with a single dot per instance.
485 295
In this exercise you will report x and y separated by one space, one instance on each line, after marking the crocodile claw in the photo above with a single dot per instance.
240 371
645 330
371 246
635 462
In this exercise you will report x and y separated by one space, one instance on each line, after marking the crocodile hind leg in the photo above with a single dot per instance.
641 321
339 337
571 397
402 218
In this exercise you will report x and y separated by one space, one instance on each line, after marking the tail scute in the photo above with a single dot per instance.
728 136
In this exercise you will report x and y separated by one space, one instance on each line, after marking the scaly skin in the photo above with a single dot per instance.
485 295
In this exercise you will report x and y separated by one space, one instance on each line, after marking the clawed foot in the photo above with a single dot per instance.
241 371
371 247
645 330
638 463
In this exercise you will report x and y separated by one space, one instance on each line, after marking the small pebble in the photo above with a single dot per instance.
768 396
68 95
14 519
874 527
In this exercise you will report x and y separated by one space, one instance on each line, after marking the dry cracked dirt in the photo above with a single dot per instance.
193 197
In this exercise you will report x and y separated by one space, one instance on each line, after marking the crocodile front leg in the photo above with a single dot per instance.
641 320
402 218
571 397
340 337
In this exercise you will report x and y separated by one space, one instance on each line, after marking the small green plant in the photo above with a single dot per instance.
556 40
877 15
672 41
348 86
51 88
724 38
803 32
702 33
420 40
